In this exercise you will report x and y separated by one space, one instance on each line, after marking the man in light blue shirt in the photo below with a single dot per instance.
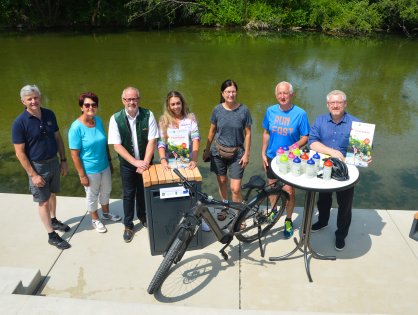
284 124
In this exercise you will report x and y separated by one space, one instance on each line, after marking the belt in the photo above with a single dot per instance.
46 161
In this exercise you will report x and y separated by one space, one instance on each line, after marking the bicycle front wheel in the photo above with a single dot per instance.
259 215
161 274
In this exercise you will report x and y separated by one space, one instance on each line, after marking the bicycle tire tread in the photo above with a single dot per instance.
162 271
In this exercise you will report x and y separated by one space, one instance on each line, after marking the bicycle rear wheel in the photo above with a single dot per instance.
259 214
173 252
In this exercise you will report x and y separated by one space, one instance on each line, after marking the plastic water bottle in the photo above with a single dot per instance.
283 164
316 157
296 169
290 158
327 170
310 168
286 149
279 153
304 158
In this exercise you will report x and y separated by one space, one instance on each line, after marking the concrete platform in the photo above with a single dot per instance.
377 273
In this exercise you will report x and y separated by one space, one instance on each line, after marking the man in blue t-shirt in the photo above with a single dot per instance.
37 140
330 135
284 124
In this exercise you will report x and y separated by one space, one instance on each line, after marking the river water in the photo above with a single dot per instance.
379 75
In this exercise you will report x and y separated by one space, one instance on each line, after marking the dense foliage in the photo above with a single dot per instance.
337 16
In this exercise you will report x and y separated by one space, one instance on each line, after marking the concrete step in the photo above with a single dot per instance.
19 280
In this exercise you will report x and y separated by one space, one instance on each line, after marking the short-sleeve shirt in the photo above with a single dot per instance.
38 135
189 124
230 125
331 134
284 127
92 144
114 135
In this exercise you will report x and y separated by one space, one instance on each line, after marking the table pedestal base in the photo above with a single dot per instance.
304 243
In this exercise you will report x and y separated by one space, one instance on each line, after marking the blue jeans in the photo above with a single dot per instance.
133 190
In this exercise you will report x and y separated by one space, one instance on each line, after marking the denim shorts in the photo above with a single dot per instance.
221 166
50 172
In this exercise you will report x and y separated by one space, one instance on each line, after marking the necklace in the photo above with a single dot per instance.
88 122
91 122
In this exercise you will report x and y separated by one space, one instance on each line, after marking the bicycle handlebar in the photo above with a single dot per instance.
188 185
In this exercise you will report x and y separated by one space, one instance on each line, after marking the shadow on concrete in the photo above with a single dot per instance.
189 277
358 242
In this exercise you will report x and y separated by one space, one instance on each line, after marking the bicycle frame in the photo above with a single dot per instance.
192 221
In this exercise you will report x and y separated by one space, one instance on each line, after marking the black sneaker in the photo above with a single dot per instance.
128 235
339 244
58 242
58 225
318 226
143 221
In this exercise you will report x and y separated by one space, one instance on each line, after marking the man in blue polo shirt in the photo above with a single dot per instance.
37 140
330 135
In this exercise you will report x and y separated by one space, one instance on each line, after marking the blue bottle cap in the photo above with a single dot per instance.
286 148
296 160
310 162
316 156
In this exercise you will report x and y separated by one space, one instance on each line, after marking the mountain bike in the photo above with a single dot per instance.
247 221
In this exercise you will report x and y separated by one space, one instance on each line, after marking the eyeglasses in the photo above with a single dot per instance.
43 130
135 99
339 103
87 105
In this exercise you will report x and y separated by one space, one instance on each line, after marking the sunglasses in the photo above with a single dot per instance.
87 105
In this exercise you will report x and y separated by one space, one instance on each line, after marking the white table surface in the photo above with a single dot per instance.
315 183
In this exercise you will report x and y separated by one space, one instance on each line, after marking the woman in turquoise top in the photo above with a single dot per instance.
91 157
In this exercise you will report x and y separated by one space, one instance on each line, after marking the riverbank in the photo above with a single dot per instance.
377 273
349 17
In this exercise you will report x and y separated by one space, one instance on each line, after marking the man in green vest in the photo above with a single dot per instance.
133 132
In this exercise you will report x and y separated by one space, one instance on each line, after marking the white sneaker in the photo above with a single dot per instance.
111 216
205 226
99 226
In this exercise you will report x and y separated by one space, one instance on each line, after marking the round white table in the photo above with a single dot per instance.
311 186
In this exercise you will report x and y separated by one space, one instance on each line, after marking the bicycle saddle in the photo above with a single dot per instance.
254 182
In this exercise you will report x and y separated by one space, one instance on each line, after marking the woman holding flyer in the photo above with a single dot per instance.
179 140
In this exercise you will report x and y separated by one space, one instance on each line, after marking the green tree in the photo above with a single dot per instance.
345 16
398 14
223 12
